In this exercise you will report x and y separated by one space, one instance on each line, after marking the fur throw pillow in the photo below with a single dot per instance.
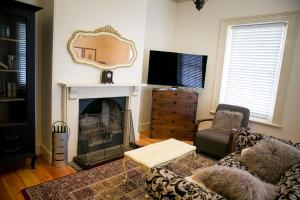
235 184
270 158
224 121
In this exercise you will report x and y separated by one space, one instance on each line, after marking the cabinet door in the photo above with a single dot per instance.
16 142
13 70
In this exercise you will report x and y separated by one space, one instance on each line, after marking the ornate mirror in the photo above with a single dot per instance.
104 48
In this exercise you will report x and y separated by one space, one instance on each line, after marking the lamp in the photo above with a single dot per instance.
199 3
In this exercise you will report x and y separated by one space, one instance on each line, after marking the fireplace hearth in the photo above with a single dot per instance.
105 131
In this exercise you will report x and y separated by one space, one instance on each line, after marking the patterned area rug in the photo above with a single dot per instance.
106 182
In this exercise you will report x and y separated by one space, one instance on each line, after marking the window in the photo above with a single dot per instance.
253 59
21 27
191 71
253 64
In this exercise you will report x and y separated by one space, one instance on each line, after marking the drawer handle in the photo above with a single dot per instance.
175 102
13 150
10 138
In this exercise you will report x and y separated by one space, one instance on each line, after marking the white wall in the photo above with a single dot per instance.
46 74
197 32
160 27
128 17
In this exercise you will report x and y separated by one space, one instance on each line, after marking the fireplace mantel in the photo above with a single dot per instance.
72 92
73 87
82 85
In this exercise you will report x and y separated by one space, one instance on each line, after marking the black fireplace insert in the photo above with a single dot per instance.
105 131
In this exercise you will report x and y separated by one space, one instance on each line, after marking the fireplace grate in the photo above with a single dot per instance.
103 137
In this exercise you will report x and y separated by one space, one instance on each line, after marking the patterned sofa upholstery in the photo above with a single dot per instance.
161 183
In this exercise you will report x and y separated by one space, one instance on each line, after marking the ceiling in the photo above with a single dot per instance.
178 1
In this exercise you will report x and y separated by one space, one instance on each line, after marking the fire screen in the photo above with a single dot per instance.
103 137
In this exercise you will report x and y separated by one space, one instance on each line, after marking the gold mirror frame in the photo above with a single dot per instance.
106 31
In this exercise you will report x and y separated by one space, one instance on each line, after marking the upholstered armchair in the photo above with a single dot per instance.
219 139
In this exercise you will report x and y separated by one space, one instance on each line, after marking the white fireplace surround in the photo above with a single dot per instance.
72 92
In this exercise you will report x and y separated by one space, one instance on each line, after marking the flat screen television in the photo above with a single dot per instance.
176 69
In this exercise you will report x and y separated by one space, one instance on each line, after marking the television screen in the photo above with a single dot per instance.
176 69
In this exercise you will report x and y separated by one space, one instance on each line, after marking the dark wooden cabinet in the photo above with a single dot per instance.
17 81
173 114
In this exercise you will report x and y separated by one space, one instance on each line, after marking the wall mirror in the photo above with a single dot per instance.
104 48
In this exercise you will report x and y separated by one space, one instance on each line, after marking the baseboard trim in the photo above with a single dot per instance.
144 127
37 149
46 154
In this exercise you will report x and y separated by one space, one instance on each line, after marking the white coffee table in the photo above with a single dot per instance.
159 154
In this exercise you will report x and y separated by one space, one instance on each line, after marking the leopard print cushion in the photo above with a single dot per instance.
245 139
289 184
163 184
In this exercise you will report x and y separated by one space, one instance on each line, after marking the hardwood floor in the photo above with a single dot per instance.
16 177
145 139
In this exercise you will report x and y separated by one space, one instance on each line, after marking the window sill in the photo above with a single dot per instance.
258 121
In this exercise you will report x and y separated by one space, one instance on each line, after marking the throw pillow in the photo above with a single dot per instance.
224 121
234 184
289 184
245 138
270 158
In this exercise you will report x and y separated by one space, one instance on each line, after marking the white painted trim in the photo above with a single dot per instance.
144 126
257 121
89 85
292 19
46 154
70 107
37 149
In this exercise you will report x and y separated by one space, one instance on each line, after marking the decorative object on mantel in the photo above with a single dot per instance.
104 48
107 77
199 4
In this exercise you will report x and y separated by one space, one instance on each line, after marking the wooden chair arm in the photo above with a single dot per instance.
197 125
232 140
204 120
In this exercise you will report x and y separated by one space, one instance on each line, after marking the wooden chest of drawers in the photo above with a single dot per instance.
173 114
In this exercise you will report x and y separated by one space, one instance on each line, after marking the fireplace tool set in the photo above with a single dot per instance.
60 137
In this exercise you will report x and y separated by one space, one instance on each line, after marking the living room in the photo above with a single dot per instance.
163 25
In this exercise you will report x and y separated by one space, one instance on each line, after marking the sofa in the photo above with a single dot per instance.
161 183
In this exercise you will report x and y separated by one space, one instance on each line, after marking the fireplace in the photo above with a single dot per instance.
105 131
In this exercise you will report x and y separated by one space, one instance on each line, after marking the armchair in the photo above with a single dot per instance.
218 140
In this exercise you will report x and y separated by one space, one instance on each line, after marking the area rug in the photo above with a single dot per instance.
106 182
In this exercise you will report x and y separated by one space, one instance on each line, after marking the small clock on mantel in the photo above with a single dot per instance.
107 77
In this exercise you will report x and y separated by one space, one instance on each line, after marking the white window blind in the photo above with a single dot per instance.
252 63
21 54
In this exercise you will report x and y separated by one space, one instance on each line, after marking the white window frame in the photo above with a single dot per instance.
292 21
